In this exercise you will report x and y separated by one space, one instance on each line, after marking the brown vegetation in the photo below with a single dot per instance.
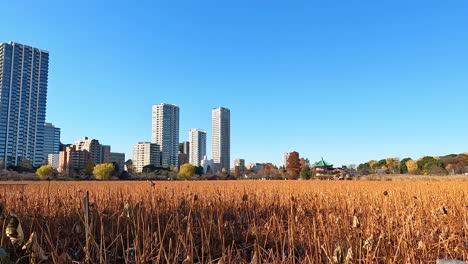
242 222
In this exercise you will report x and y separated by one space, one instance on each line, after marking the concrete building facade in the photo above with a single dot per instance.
23 95
146 153
165 132
53 160
73 160
92 146
221 138
197 139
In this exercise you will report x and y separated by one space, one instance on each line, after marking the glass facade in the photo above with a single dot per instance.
165 132
23 95
51 140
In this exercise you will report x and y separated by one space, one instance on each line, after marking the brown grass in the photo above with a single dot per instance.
235 222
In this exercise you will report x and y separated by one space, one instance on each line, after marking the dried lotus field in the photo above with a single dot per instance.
237 222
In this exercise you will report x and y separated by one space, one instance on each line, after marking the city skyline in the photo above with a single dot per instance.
346 82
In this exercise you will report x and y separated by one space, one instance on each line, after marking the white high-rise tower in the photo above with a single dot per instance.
221 138
197 139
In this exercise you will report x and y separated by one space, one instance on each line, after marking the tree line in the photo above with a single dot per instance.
426 165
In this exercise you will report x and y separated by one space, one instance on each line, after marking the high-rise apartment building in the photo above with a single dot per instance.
92 146
239 165
73 160
197 139
105 153
184 147
23 95
165 132
221 138
183 154
51 140
53 160
146 153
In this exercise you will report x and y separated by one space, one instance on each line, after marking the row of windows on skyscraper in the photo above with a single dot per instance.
24 135
164 149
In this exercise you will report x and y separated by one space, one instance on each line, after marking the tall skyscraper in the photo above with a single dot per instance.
23 94
51 140
197 139
221 138
165 132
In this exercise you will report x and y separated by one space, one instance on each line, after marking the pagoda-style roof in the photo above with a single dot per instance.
322 163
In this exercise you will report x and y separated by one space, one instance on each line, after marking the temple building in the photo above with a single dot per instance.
322 167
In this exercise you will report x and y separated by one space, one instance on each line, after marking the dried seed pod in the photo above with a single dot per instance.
349 256
14 230
337 255
356 222
126 211
77 228
368 243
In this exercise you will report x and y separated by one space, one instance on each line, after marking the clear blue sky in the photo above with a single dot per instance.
346 80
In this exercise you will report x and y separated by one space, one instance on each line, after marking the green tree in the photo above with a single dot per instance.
381 164
45 171
25 166
103 171
430 165
364 168
373 165
393 165
403 167
89 167
305 173
412 166
150 168
199 170
186 172
129 165
116 169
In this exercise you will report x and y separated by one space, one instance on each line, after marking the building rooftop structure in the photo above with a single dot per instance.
322 163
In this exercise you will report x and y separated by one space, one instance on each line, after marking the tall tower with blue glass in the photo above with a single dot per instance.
23 95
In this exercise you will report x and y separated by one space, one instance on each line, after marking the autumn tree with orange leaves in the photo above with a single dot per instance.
294 165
